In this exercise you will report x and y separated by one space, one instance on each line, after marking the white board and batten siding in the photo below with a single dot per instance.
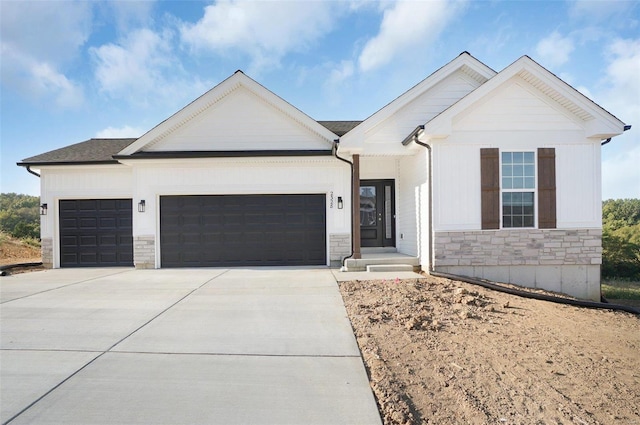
238 122
516 118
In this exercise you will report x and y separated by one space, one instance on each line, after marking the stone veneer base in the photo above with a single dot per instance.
144 252
339 247
559 260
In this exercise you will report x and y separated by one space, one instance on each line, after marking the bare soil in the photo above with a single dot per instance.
14 251
445 352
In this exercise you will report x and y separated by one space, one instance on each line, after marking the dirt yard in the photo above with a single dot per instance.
446 352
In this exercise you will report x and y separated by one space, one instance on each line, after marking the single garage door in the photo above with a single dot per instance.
96 233
242 230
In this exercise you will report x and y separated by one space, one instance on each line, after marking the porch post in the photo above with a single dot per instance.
355 220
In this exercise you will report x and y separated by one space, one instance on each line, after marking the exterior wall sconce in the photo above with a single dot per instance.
340 203
43 209
141 206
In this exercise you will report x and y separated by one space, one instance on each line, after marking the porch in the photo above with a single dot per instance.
382 260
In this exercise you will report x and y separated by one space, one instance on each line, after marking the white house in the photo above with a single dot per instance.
470 172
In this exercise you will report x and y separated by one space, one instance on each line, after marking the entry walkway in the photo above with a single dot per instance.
199 346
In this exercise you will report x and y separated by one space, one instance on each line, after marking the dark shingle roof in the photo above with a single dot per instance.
89 151
96 151
339 127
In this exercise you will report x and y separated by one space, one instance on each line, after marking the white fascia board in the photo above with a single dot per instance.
213 96
464 59
441 125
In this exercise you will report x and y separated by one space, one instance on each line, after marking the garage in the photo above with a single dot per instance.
243 230
96 233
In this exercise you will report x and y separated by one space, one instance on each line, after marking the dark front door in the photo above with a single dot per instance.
377 213
243 230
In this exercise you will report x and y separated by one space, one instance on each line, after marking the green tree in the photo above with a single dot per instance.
621 238
19 215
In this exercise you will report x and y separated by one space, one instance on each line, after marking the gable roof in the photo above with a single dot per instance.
105 151
92 151
598 121
216 94
340 128
464 62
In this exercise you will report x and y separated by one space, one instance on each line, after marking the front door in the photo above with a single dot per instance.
377 213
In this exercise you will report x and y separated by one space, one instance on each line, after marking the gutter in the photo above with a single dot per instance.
626 128
336 142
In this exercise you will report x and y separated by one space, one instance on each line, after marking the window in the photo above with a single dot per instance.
523 184
518 189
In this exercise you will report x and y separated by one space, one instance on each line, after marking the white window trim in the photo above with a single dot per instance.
535 190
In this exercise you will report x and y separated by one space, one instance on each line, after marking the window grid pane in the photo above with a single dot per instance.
518 185
517 209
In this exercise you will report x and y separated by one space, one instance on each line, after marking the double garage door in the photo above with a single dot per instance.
242 230
199 231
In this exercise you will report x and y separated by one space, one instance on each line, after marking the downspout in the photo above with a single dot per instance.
336 142
413 137
32 172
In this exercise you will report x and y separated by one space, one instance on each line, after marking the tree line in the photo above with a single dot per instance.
621 239
19 217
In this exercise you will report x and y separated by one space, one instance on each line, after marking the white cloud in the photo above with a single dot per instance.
37 40
405 26
555 49
620 175
119 132
133 67
620 94
266 31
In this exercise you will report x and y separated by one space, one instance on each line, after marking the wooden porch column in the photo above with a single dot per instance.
355 220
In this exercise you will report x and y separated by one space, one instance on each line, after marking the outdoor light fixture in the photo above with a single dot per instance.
43 209
340 203
141 206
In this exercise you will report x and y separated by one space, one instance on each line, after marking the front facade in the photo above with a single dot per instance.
471 172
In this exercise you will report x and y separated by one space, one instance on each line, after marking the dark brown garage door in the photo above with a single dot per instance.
96 233
242 230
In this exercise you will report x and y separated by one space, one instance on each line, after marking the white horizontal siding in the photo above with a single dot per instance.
516 107
241 121
372 168
421 109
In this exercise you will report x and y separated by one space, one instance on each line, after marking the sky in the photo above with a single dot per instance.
73 70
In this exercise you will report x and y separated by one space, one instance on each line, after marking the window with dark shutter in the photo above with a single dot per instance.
490 183
546 188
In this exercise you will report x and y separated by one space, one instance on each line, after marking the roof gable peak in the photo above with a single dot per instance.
228 86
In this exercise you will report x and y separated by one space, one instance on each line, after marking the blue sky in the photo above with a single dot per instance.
75 70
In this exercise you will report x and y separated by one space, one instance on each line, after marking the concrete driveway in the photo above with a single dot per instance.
188 346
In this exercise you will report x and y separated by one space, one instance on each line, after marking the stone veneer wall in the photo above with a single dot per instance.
46 247
144 252
339 247
566 261
518 247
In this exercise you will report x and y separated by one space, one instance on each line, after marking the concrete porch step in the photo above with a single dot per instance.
388 259
390 268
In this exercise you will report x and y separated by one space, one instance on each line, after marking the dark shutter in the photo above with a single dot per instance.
490 183
546 188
